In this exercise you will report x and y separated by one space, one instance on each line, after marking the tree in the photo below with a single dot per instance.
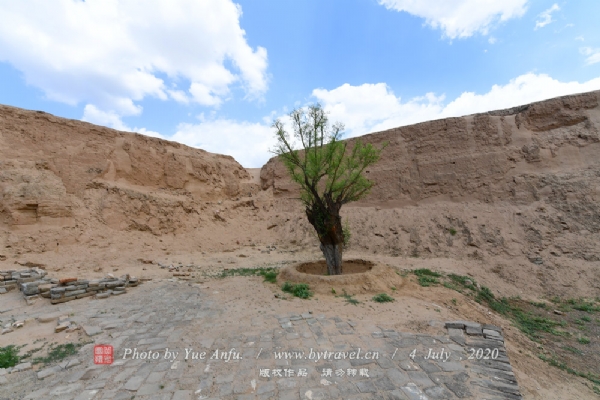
330 175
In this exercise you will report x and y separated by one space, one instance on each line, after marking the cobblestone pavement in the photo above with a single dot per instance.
327 357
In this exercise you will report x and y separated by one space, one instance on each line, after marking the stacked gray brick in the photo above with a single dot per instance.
34 282
498 379
7 283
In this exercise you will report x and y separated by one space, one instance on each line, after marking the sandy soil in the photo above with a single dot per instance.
416 309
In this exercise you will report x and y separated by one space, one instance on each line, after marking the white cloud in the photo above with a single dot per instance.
113 53
545 17
492 40
374 107
247 142
524 89
460 18
96 116
370 107
581 38
113 120
363 109
593 55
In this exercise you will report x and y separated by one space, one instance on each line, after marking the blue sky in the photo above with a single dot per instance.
213 74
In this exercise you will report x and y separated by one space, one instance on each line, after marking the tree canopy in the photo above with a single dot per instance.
329 174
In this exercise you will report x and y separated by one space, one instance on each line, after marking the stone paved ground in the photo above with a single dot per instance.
378 364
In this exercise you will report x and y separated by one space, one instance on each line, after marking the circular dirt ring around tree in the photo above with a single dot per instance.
358 277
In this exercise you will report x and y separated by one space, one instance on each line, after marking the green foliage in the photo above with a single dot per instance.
500 306
270 276
573 350
59 352
583 340
31 352
452 286
586 306
531 324
427 277
300 290
9 356
465 281
324 156
426 272
426 281
555 363
452 231
346 233
383 298
329 174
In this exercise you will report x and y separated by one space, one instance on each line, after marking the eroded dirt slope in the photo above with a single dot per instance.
518 189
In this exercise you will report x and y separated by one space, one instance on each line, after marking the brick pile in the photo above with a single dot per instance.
35 283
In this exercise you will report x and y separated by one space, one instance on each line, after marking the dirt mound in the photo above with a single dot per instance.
358 277
348 267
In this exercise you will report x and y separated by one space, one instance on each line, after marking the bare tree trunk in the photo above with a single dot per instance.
333 256
327 222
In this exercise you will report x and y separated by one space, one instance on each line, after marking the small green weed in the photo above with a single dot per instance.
246 272
350 299
531 324
426 272
539 305
500 306
300 290
586 318
427 277
573 350
383 298
9 356
555 363
462 280
583 340
452 231
270 276
31 352
346 233
452 286
427 281
586 306
58 353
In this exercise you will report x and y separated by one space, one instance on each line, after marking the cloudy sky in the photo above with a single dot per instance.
214 74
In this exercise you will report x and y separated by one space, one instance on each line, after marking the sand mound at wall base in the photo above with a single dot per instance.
358 277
